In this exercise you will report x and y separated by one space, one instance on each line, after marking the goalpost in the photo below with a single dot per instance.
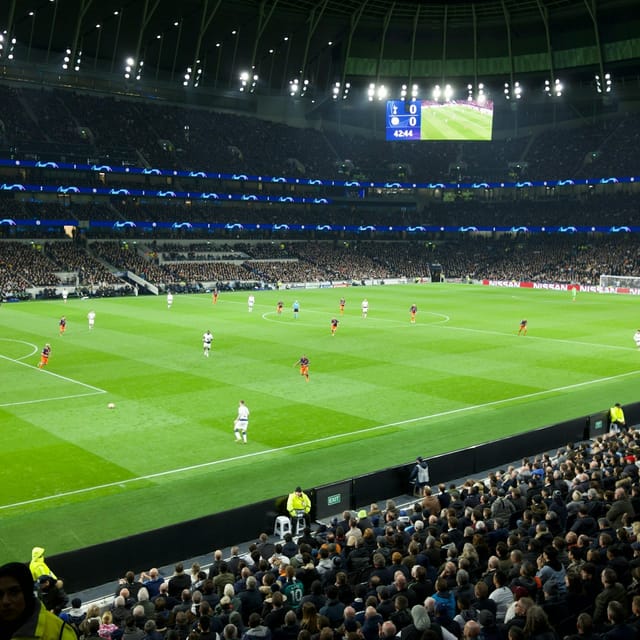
626 282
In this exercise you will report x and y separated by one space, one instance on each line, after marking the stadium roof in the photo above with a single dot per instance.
326 41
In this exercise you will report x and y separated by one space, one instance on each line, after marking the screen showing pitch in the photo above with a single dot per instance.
430 120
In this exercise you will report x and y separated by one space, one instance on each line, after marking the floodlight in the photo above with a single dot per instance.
558 87
604 85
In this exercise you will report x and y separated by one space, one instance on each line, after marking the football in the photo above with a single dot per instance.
111 405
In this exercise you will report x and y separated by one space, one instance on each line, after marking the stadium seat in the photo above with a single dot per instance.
282 526
300 523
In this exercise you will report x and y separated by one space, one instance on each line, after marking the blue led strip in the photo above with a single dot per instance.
237 226
241 177
160 193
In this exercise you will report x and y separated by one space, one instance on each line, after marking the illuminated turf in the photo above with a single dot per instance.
74 472
456 122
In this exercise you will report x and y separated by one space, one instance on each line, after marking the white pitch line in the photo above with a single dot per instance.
93 390
444 324
369 321
34 349
69 397
448 327
337 436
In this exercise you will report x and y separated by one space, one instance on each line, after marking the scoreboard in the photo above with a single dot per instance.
417 120
403 120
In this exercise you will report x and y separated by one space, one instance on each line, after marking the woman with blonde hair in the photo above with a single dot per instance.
470 554
93 613
107 626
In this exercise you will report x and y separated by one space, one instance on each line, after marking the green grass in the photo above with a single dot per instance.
74 473
456 122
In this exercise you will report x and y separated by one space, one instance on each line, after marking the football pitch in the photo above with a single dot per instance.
456 122
381 391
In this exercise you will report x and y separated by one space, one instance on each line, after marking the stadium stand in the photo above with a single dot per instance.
550 526
535 258
559 533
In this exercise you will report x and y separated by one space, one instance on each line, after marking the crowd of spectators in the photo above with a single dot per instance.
560 258
518 208
23 265
72 258
58 124
124 256
542 550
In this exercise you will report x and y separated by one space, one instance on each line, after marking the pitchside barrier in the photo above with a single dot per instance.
108 561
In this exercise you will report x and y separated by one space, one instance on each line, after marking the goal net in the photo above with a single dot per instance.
616 282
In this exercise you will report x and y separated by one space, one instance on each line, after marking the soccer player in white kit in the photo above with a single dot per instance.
365 308
241 423
636 338
250 302
169 299
91 318
207 339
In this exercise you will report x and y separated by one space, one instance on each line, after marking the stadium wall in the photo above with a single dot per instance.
108 561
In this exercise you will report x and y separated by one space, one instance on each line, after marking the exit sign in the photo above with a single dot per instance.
335 499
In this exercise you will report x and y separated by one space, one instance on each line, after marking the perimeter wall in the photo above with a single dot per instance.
107 562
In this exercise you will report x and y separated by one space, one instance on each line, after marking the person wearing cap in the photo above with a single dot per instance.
51 593
299 504
22 615
557 505
75 615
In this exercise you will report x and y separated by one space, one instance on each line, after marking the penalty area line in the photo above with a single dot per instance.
55 375
337 436
69 397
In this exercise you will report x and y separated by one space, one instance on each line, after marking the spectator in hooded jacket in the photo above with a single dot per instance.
22 615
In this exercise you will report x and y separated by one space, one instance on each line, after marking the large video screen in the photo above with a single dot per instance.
430 120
